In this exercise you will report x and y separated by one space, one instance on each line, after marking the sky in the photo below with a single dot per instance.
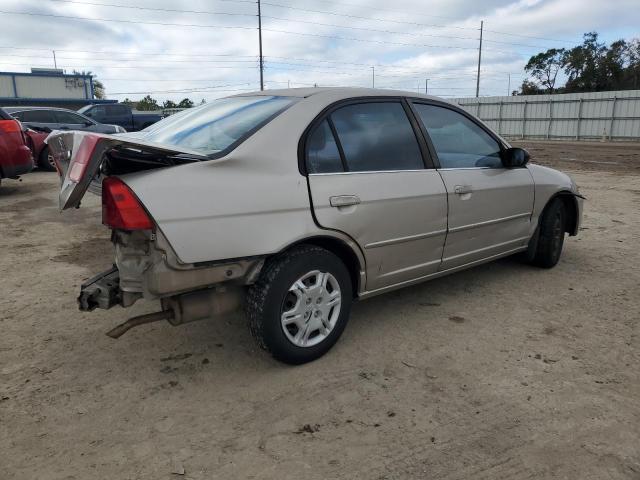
205 49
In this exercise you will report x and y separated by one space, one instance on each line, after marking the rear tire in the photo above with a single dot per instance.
300 305
550 235
45 161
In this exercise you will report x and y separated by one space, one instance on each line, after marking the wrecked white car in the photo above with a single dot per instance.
295 203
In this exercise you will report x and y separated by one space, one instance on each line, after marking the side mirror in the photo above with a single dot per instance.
515 157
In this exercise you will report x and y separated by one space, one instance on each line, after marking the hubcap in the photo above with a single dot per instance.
311 308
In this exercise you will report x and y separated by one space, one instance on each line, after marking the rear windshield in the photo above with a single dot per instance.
215 126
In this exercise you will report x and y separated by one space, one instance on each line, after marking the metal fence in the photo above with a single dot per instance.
574 116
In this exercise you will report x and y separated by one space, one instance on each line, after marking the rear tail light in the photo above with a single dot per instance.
82 156
10 126
120 207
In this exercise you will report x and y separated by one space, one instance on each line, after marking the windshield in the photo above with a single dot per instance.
215 126
84 109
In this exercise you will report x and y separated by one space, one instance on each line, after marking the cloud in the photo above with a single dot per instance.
315 42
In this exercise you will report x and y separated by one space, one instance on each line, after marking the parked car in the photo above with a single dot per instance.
43 120
15 156
120 114
297 202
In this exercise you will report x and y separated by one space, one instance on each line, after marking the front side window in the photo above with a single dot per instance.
323 155
459 142
215 126
377 136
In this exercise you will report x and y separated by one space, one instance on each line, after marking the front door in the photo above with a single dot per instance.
368 179
490 206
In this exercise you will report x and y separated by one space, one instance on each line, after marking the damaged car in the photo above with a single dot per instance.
295 203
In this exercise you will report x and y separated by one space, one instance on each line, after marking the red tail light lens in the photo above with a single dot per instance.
82 156
121 209
10 126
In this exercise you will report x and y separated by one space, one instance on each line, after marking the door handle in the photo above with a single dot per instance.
344 200
462 189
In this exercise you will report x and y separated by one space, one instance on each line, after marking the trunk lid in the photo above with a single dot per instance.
79 156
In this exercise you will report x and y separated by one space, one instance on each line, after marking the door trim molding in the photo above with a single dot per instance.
441 273
489 222
409 238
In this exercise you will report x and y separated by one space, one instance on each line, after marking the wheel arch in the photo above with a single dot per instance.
346 251
571 207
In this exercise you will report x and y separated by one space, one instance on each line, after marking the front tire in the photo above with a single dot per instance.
300 305
45 161
550 235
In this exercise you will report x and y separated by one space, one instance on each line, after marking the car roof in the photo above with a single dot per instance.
341 93
25 109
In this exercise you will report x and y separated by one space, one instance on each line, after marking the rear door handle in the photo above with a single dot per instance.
462 189
344 200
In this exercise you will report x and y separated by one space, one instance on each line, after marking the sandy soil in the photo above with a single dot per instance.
503 371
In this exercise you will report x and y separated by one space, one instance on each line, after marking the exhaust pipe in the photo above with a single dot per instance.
186 308
123 328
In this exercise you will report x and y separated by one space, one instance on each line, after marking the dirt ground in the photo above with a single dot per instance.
500 372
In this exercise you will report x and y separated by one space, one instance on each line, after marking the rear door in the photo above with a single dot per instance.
119 115
490 206
70 121
368 179
39 118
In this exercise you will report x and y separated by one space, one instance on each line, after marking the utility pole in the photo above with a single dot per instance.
509 86
373 77
479 60
426 86
55 64
260 45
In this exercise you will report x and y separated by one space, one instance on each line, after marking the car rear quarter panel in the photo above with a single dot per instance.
254 201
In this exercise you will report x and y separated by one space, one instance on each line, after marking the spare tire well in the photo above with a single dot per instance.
343 251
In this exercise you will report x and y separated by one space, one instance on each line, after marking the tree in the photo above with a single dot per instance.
169 104
98 86
185 103
544 67
590 67
129 102
148 103
633 58
582 64
528 88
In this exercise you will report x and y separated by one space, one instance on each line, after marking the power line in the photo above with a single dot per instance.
186 90
366 18
71 17
155 9
142 52
350 27
368 40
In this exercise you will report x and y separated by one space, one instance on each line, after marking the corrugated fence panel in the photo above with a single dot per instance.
579 116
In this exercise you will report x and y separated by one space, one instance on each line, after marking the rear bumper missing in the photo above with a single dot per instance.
101 291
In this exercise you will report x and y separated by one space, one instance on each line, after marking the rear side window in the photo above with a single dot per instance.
377 136
323 155
459 142
38 116
68 117
116 110
216 126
